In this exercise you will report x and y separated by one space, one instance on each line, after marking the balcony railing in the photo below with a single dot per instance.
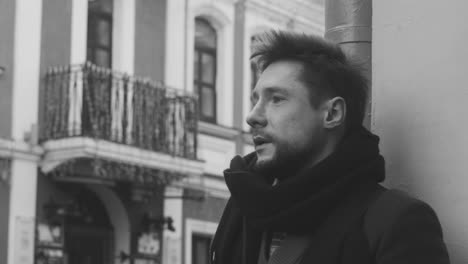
90 101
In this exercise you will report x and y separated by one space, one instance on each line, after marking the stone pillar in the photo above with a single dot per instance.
25 100
172 240
239 54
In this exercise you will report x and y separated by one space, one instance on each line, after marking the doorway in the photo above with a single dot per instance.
88 231
86 245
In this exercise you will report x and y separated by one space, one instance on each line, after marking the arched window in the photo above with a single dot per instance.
205 69
99 41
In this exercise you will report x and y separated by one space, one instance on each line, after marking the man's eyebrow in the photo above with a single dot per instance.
275 89
268 90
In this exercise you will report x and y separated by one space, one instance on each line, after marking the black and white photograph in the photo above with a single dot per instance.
233 132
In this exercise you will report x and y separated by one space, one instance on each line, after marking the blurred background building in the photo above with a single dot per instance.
117 118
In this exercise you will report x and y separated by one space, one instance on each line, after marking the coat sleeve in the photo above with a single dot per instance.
412 234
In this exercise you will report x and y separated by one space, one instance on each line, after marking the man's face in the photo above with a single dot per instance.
285 126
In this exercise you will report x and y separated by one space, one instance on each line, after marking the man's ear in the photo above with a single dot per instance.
336 112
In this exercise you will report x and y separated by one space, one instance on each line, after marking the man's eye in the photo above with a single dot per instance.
277 99
253 101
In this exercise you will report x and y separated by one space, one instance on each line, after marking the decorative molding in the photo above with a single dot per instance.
60 151
211 185
218 130
215 16
308 15
11 149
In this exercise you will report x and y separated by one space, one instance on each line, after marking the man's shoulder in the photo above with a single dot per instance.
394 201
392 206
397 221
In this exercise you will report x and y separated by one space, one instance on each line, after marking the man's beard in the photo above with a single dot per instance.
286 160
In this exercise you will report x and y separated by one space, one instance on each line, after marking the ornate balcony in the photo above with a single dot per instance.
89 111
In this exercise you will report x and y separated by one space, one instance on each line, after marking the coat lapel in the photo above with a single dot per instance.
327 243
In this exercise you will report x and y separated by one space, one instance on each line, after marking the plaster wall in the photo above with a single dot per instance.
419 106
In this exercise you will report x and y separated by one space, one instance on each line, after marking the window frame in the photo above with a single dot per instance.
92 45
198 81
199 227
201 237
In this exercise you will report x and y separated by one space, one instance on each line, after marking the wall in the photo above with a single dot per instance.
419 106
56 37
4 212
209 209
150 28
7 18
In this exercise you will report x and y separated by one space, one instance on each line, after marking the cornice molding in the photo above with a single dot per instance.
11 149
217 130
213 186
309 15
60 151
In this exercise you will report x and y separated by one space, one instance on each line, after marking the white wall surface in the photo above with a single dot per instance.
420 89
172 240
28 20
175 44
217 153
123 36
22 219
79 33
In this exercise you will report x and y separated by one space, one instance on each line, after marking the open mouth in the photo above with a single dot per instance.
259 140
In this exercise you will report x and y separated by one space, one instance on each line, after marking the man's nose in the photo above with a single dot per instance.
256 117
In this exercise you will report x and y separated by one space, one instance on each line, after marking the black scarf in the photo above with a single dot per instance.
301 202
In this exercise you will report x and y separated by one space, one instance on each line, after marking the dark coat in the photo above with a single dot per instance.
395 228
379 226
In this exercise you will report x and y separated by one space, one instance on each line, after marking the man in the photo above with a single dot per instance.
310 192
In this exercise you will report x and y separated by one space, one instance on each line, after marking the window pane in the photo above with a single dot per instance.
102 58
205 34
208 68
207 97
103 32
196 62
105 6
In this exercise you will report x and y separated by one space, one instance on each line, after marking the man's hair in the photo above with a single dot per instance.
327 72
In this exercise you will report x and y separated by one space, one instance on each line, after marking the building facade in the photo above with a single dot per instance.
117 118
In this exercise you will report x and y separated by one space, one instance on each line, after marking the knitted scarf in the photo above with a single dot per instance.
300 203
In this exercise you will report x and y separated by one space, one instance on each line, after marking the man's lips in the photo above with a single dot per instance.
260 140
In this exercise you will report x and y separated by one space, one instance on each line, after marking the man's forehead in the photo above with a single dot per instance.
279 76
270 89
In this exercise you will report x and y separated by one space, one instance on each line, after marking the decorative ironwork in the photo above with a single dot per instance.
115 172
91 101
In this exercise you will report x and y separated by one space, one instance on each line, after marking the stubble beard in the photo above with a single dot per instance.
287 159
